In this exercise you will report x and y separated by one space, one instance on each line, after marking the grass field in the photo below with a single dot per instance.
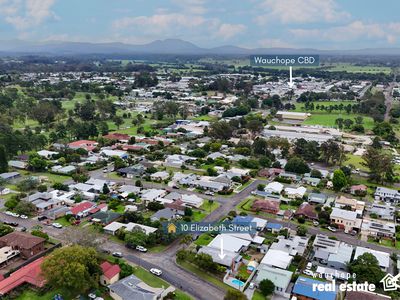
300 106
204 239
258 296
149 278
356 161
328 119
350 68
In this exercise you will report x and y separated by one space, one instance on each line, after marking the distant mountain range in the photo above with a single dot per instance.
168 46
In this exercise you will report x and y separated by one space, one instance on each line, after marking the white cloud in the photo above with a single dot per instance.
227 31
159 22
24 14
357 30
301 11
274 43
196 7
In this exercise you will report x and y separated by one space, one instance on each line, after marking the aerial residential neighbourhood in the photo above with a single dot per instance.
195 149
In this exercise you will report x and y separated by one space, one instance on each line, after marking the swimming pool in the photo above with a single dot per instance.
237 282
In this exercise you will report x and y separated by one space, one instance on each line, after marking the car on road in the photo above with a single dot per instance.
13 224
141 249
332 229
155 271
23 217
209 193
57 225
23 228
117 254
105 170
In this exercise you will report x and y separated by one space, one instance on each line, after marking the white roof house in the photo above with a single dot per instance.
46 153
215 254
152 194
230 243
382 257
293 193
274 187
161 175
112 153
192 200
114 226
277 259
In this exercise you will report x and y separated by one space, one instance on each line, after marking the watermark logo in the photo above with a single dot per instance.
389 282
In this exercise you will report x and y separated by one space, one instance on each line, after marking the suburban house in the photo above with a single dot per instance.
345 219
354 204
382 211
159 176
114 226
317 198
294 245
303 290
277 259
313 181
10 176
274 188
230 243
114 153
83 144
382 257
268 206
132 171
110 273
27 244
30 274
279 277
387 195
307 211
295 193
228 260
167 214
132 287
358 190
377 228
82 209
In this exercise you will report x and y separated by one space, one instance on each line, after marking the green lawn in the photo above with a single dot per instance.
209 207
33 295
150 279
120 209
63 221
53 178
351 68
204 275
328 119
356 161
198 215
204 239
157 249
258 296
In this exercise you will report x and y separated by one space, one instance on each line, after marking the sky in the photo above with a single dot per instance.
321 24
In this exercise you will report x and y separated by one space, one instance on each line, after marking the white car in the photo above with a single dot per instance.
315 223
331 229
57 225
209 193
92 296
155 271
23 217
141 249
15 215
9 213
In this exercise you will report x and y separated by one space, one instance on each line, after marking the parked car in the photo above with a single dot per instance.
92 296
209 193
23 228
353 232
41 218
23 217
251 285
315 223
309 266
141 249
117 254
332 229
155 271
13 224
57 225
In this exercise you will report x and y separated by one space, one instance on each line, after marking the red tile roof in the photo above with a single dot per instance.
30 273
98 208
359 187
81 207
85 144
266 205
306 210
109 270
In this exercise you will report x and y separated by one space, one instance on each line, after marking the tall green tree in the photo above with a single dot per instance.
3 160
339 180
267 287
74 268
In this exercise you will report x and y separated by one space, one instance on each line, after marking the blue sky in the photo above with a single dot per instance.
323 24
